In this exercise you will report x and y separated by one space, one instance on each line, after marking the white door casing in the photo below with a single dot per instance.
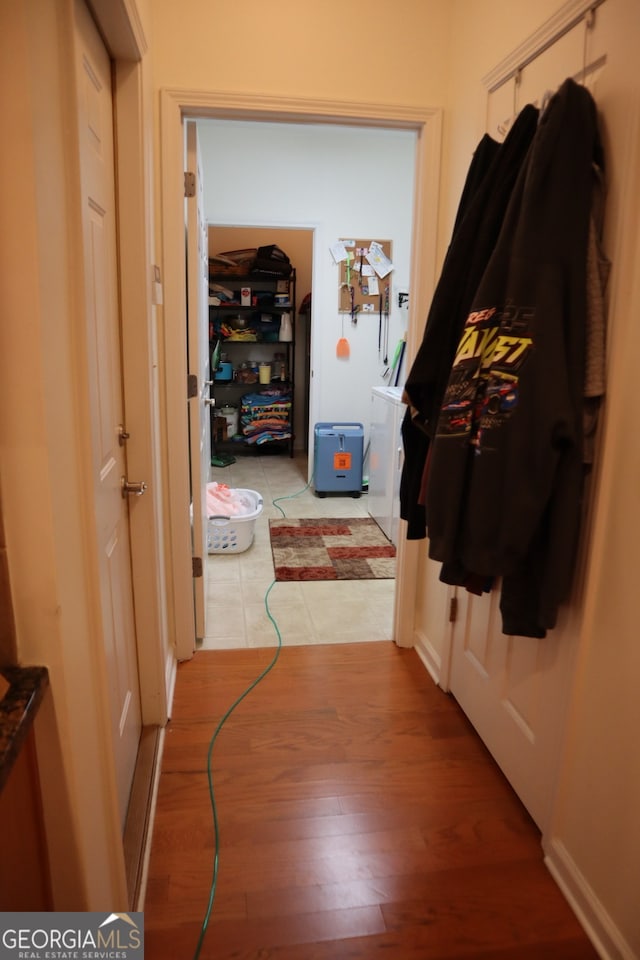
105 395
199 367
175 106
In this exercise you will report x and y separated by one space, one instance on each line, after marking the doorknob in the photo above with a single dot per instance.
210 402
135 487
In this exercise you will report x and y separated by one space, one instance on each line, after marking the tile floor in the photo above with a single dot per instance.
313 612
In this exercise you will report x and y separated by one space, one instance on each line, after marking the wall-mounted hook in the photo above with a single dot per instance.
517 80
589 23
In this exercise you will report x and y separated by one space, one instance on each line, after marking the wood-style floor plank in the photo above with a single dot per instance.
360 817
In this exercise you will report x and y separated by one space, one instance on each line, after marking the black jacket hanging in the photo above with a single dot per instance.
505 474
488 186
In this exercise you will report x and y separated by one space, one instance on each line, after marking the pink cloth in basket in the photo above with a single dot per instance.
224 501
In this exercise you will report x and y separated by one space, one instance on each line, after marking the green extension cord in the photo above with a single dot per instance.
221 723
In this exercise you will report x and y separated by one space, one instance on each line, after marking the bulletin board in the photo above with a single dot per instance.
358 278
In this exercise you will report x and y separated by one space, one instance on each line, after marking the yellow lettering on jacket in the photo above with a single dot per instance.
475 343
509 349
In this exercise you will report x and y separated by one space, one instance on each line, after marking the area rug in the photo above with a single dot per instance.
331 549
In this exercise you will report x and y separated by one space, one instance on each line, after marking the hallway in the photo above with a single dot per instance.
346 611
360 817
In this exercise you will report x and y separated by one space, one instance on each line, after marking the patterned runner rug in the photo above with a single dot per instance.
331 549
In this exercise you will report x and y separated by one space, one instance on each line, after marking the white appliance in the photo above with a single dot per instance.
385 459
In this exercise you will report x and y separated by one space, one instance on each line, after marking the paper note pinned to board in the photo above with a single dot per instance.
338 251
379 260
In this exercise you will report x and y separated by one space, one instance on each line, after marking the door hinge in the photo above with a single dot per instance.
189 184
453 609
192 386
196 566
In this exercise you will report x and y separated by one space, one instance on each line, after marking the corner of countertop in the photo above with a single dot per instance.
21 692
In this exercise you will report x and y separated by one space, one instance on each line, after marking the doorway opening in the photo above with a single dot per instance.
176 107
284 175
297 243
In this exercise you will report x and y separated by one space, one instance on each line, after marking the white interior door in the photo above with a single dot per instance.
199 367
95 119
514 689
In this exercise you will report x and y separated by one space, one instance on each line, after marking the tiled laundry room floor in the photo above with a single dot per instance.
345 611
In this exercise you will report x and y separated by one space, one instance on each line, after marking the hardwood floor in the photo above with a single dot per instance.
360 817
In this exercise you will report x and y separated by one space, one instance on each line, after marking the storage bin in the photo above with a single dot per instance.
234 534
230 414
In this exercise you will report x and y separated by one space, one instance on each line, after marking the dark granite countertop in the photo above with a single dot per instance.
23 692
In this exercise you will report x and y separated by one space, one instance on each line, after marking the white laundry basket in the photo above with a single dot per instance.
234 534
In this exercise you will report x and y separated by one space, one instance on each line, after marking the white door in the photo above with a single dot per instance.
515 689
199 367
95 128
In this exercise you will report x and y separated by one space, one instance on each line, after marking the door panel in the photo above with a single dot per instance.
111 517
198 349
521 684
478 639
513 689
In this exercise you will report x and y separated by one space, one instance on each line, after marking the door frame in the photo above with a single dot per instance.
84 834
176 106
139 363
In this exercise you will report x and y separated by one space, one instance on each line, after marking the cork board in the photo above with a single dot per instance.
354 293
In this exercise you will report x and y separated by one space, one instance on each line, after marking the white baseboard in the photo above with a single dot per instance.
596 922
146 854
428 654
171 675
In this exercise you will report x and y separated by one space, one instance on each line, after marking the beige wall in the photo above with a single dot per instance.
329 49
483 32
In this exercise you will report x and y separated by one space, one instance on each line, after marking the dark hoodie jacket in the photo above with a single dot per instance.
505 473
488 186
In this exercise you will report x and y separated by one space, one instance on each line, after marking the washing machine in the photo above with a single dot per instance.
386 454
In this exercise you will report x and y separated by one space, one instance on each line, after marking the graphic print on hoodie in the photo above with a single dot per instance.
482 391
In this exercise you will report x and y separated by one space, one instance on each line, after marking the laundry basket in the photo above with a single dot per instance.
234 534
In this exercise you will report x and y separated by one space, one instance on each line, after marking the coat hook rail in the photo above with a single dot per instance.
587 17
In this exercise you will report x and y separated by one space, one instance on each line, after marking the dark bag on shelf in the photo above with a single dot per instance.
271 261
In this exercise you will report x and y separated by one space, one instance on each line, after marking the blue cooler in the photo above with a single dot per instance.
338 458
